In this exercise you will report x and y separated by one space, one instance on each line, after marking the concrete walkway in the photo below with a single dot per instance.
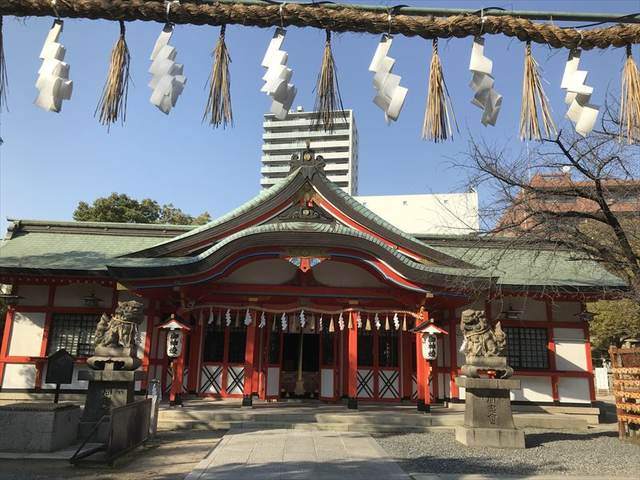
297 454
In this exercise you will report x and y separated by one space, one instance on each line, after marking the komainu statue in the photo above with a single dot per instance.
485 348
115 338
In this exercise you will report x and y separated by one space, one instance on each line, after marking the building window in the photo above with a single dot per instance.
74 332
527 348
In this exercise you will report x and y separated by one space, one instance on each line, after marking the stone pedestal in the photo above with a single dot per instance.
38 427
108 389
488 420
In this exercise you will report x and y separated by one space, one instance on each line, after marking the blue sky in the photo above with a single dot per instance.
49 162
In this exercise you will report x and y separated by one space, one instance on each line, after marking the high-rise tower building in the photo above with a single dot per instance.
282 138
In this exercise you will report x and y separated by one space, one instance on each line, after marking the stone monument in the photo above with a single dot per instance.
488 420
112 376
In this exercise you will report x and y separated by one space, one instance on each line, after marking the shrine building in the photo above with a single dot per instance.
300 292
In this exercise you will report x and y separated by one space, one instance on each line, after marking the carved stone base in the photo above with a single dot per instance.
107 390
475 365
490 437
120 358
488 419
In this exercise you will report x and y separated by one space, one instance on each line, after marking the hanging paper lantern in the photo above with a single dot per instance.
247 318
376 321
390 95
263 320
227 317
482 82
210 321
341 321
303 319
580 112
277 76
53 82
283 321
396 321
167 79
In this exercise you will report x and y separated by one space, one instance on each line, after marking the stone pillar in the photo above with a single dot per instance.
352 363
488 420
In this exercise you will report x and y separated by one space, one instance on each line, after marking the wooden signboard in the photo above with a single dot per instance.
59 370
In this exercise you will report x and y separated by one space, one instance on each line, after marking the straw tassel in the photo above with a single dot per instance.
218 111
328 98
367 326
438 115
332 327
4 78
113 102
350 324
629 100
533 97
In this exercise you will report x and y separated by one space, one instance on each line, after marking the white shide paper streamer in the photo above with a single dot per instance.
167 79
390 95
581 112
486 98
53 82
277 76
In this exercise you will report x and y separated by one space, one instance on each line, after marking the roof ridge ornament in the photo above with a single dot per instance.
307 161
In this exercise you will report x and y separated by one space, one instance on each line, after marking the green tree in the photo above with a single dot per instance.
614 321
120 208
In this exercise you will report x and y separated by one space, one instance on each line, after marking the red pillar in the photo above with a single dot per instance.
249 358
195 343
352 368
4 348
175 393
420 373
453 355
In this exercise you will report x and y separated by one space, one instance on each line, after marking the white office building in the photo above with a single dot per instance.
427 214
339 148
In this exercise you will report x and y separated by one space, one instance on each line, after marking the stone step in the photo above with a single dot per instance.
185 419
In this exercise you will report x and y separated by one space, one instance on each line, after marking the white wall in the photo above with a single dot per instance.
72 295
33 295
532 310
26 334
19 375
571 353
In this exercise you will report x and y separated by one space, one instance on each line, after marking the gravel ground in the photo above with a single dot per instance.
596 452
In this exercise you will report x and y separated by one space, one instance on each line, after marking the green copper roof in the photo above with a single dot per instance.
67 251
528 267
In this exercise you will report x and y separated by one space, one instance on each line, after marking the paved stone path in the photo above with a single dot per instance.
297 454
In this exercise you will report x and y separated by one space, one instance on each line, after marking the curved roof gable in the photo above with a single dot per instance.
306 185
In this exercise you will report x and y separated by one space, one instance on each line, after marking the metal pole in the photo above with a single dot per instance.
607 17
